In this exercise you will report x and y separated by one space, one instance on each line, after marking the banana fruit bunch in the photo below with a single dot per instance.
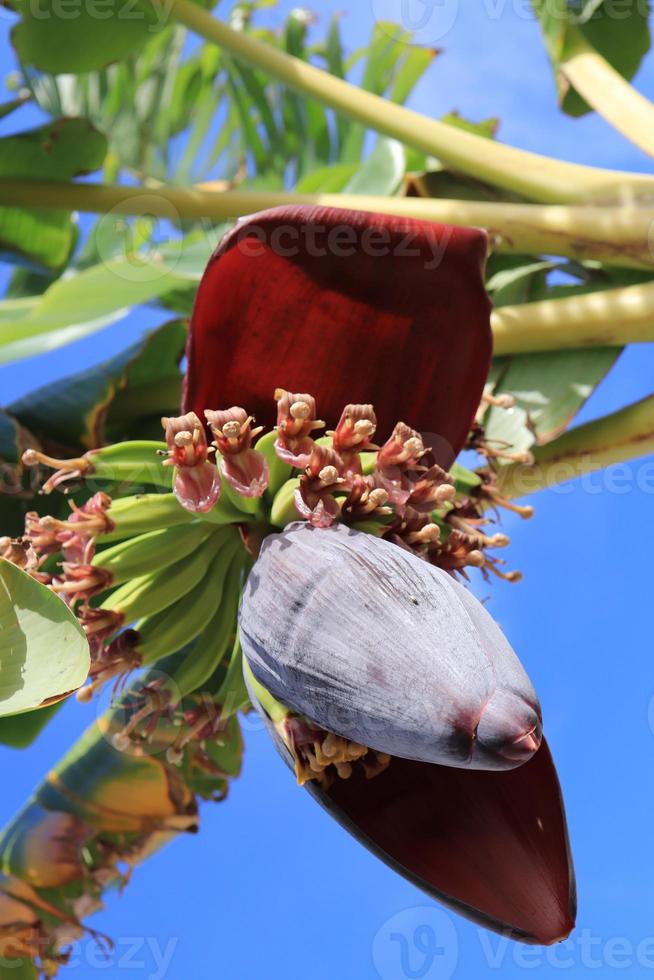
154 558
146 575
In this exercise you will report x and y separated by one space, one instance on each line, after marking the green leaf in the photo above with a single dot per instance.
327 180
6 108
44 654
336 66
307 121
383 171
99 32
59 151
22 970
387 48
112 400
438 181
12 441
15 497
621 36
550 387
517 279
21 731
416 63
226 751
82 303
486 128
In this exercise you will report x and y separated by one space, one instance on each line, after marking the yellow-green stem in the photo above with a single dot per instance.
537 177
616 438
615 235
610 95
610 318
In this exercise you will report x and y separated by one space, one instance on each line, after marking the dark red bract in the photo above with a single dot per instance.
352 307
493 845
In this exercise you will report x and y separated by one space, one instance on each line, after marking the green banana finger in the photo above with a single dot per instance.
217 638
149 594
465 481
280 471
247 507
148 553
224 511
283 509
144 512
139 461
276 711
232 694
176 626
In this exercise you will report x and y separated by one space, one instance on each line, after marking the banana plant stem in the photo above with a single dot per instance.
538 177
610 95
615 235
609 318
617 438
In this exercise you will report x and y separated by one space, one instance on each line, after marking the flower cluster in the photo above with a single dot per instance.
396 490
321 756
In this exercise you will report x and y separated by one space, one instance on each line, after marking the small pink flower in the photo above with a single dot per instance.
78 535
353 435
296 420
314 498
197 481
431 489
399 456
245 469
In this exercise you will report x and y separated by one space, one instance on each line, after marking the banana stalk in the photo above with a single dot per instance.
610 95
610 318
617 438
618 235
580 67
535 176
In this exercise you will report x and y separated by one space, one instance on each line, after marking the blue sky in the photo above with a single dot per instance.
273 888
